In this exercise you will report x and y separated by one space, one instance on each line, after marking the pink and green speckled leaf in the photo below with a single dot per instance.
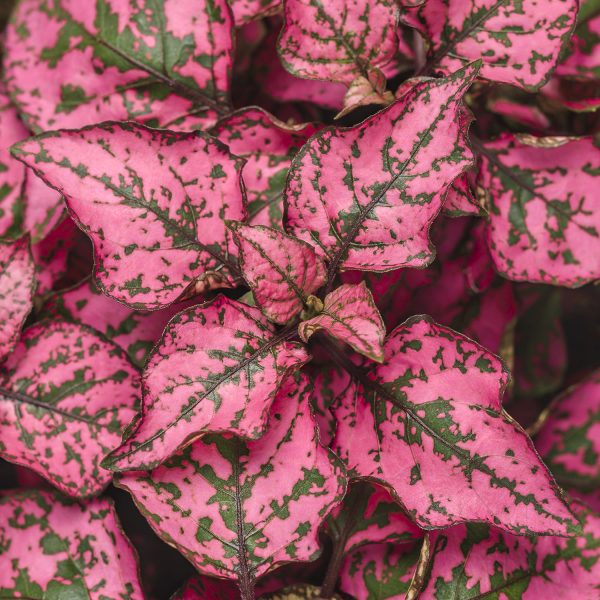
281 271
216 369
569 440
477 561
268 146
17 286
66 396
431 414
236 509
55 548
520 42
350 315
152 202
583 59
248 10
70 63
543 217
366 196
460 199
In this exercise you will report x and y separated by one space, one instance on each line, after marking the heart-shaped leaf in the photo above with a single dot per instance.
216 369
153 203
543 214
366 196
478 561
520 41
53 548
248 10
282 272
236 509
66 395
569 440
350 315
432 413
82 62
17 286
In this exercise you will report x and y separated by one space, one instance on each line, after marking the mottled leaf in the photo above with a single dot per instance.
366 196
216 369
55 549
350 315
248 10
153 203
583 58
460 199
66 395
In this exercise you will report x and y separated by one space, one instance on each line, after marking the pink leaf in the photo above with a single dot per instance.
543 215
248 10
366 196
54 548
583 58
350 315
338 40
17 286
432 414
281 271
216 369
236 509
66 395
460 199
83 62
520 41
43 208
152 202
200 587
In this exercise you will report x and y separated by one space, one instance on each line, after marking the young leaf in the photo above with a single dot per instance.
338 40
248 10
460 199
478 561
429 424
366 196
350 315
543 215
69 63
66 396
520 41
281 271
569 441
216 369
17 286
152 202
53 548
236 509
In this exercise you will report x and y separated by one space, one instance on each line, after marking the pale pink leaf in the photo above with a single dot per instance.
152 202
350 315
43 208
66 396
216 369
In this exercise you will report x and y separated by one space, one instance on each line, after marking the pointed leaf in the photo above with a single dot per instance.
69 63
236 509
350 315
152 202
366 196
520 41
17 286
66 395
543 214
216 369
248 10
460 199
280 270
53 548
431 413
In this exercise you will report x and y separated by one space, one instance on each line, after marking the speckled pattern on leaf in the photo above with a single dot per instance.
248 10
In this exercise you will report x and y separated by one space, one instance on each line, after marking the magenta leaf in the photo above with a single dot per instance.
236 509
520 41
543 216
248 10
55 548
200 587
83 62
350 315
17 286
432 413
569 440
281 271
66 395
478 561
460 199
152 202
268 146
216 369
366 196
